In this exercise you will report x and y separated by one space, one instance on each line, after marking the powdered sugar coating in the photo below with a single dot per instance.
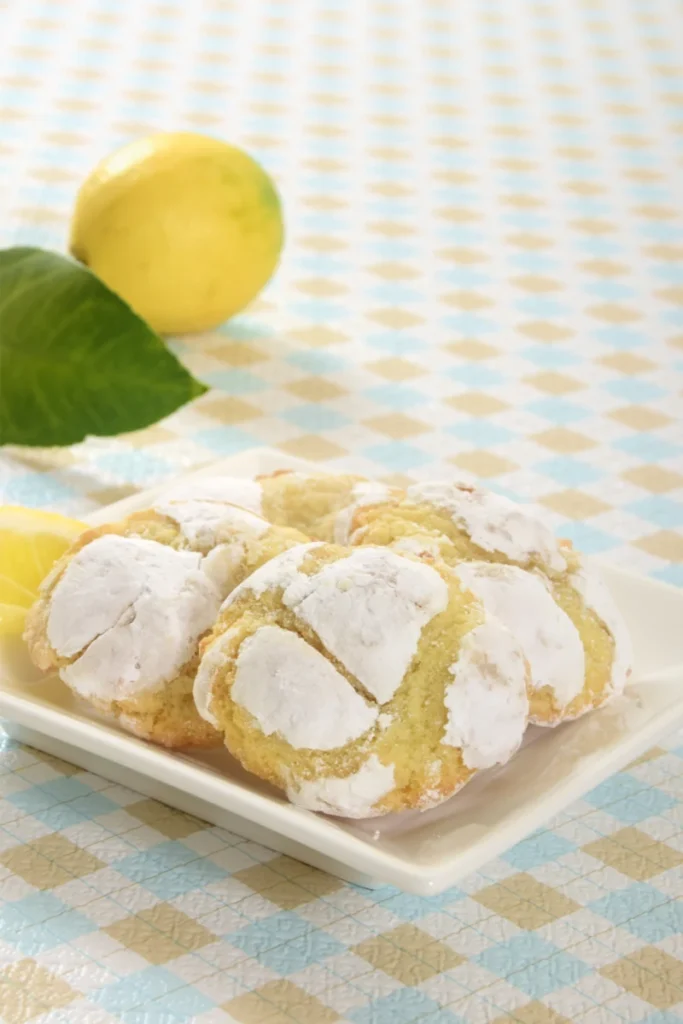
352 797
369 610
420 544
224 565
133 611
293 690
213 661
598 598
493 522
238 491
277 572
487 701
366 492
203 523
523 603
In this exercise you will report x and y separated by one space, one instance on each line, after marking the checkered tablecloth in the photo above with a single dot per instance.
483 272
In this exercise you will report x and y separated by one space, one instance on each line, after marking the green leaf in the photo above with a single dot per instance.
74 358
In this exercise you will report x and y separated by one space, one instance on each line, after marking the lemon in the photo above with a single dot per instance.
30 543
185 228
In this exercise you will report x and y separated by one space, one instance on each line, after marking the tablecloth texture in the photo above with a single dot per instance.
483 274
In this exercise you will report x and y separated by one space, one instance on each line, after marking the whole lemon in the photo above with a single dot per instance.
185 228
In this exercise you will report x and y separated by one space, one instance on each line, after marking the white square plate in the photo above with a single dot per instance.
422 853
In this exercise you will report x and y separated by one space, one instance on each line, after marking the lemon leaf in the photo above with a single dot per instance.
74 358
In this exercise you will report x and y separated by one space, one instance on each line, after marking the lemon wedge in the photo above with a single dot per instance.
30 543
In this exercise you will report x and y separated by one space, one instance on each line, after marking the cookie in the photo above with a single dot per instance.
362 681
121 615
318 504
456 522
120 619
572 634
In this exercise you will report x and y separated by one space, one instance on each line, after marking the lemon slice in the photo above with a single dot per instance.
30 543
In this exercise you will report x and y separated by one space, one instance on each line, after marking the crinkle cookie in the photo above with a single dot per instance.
318 504
363 681
121 615
456 522
572 634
